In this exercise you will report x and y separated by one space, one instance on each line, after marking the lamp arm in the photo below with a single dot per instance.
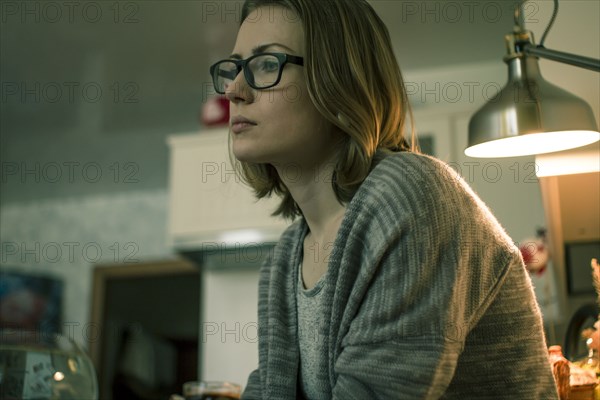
520 19
540 51
566 58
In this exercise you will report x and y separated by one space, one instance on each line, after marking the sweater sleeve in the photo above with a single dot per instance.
252 390
410 356
481 361
374 371
433 275
404 342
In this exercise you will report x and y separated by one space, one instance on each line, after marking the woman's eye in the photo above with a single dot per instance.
269 66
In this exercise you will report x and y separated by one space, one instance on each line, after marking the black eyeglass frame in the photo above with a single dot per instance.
283 59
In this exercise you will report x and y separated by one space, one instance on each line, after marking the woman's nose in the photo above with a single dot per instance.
238 90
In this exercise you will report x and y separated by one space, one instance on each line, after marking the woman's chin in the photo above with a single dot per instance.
247 156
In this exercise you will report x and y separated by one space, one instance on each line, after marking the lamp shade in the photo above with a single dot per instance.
530 116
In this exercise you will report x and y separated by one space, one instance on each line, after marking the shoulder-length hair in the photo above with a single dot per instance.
354 81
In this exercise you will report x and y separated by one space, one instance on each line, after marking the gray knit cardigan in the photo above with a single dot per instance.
427 298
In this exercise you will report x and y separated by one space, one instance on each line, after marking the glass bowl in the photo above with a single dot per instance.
37 365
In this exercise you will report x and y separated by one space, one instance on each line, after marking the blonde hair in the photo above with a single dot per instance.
355 82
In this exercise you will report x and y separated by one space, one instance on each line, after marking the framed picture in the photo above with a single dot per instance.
578 261
30 302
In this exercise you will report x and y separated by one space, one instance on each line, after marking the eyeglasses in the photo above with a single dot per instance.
261 71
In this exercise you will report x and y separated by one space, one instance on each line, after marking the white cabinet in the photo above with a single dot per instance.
209 204
211 209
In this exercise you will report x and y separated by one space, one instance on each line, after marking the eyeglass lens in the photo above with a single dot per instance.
263 69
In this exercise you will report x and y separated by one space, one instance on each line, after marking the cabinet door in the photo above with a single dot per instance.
209 203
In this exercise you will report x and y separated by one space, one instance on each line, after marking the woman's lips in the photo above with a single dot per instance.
239 123
239 127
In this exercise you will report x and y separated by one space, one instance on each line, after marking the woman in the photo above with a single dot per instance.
395 281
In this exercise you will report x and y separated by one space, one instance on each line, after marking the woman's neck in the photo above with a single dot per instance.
314 195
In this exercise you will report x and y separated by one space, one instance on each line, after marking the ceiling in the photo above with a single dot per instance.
99 84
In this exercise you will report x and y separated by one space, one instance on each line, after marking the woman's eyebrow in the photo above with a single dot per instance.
260 49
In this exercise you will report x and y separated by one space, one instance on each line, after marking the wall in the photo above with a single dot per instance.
67 237
229 329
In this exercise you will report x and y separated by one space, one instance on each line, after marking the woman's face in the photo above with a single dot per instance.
288 130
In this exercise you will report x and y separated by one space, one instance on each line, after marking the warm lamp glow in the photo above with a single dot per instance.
567 163
533 143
